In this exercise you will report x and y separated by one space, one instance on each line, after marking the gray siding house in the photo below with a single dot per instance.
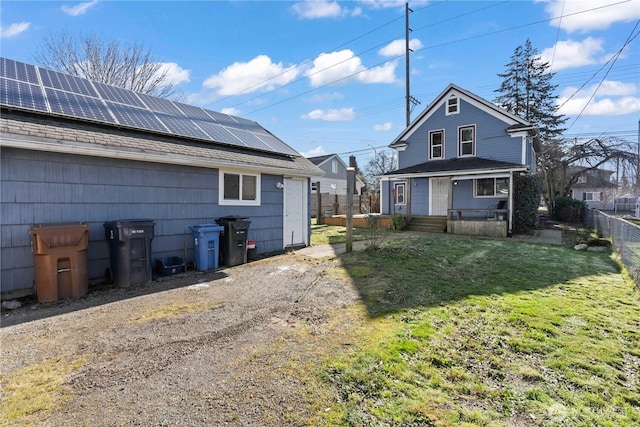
457 160
72 150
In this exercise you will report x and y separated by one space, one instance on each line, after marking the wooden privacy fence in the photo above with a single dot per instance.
334 204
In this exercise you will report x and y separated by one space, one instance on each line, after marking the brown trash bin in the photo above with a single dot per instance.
60 260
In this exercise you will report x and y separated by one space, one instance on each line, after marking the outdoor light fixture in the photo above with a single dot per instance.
279 185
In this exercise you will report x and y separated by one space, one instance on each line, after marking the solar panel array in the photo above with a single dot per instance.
31 88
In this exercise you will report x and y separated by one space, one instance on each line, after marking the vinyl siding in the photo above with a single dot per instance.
492 141
39 187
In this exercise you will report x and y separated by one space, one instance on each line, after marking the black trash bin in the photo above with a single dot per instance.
233 243
130 250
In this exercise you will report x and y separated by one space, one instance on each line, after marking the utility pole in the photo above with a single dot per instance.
407 67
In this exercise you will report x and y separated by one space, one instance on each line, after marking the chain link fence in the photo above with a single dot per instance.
625 236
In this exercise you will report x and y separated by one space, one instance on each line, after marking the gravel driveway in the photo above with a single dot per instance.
197 349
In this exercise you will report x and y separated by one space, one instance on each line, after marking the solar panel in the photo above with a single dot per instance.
182 126
74 105
38 89
158 104
22 95
18 71
66 82
219 133
117 94
135 117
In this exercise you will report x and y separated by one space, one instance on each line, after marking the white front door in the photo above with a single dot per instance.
295 213
439 190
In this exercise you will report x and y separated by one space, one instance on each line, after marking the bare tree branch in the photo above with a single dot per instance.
106 61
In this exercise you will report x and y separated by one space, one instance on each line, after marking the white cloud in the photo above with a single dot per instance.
247 77
398 47
232 111
612 99
79 9
594 16
382 127
332 115
379 4
314 9
569 54
314 152
175 74
14 29
338 66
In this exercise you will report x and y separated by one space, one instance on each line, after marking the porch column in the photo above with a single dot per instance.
510 205
408 196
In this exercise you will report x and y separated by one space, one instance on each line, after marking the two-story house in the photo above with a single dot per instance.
333 186
594 186
456 163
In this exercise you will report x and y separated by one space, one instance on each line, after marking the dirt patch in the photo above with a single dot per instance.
196 349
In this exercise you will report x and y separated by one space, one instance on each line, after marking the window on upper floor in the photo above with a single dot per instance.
436 144
239 189
466 141
453 106
582 179
491 187
334 166
399 192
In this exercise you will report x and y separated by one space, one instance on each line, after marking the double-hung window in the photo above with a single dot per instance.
466 141
593 196
492 187
399 191
238 188
436 144
453 106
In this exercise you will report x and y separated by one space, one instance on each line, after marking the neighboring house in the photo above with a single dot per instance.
457 161
594 187
333 184
78 151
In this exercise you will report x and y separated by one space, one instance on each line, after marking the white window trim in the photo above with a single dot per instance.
404 193
226 202
431 132
495 189
473 141
446 106
596 196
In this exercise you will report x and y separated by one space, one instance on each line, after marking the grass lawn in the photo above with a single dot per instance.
459 331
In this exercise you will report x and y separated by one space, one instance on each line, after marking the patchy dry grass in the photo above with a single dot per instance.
36 388
482 332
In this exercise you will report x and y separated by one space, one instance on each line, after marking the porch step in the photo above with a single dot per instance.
430 224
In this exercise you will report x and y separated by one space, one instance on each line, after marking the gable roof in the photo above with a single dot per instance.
514 123
318 160
457 166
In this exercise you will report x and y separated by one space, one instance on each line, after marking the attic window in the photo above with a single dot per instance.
334 166
453 106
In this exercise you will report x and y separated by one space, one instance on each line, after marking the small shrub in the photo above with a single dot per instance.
526 199
568 209
399 222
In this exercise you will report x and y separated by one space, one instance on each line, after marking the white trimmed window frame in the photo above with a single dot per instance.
463 143
593 196
399 195
452 106
431 145
226 200
500 188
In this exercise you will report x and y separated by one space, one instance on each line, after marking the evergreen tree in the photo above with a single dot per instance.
527 92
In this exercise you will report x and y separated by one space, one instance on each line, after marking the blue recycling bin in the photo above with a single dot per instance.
206 243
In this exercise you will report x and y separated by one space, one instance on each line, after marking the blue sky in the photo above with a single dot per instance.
329 76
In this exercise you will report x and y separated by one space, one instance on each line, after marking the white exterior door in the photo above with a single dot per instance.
295 213
439 191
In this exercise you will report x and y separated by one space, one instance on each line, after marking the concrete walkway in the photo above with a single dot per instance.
545 236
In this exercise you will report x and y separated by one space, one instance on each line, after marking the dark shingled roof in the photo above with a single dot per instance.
456 165
319 159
